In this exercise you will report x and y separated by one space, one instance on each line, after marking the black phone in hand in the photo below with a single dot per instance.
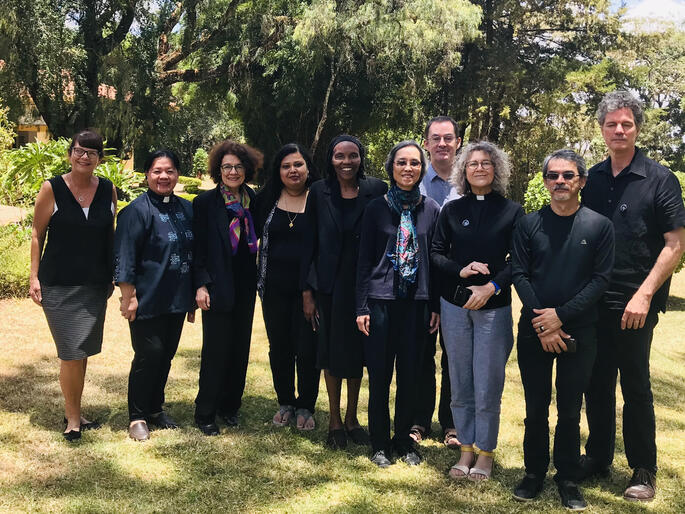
461 296
571 345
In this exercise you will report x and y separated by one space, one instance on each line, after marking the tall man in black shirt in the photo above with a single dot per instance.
562 257
643 200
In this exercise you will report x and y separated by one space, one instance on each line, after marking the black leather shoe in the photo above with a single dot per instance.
412 458
529 487
208 429
380 459
72 435
642 486
570 494
162 421
591 469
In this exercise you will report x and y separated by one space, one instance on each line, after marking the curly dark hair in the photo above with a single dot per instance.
250 157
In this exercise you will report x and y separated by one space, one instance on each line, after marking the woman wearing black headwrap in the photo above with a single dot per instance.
336 204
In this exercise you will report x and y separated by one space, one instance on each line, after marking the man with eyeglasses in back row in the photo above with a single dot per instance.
441 142
562 256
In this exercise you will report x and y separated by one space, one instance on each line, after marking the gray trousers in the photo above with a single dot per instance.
478 344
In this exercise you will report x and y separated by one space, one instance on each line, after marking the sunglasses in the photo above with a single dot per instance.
568 175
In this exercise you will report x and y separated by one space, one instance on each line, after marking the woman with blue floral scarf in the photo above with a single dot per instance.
395 305
225 278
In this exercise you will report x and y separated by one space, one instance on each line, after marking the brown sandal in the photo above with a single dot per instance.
451 440
417 433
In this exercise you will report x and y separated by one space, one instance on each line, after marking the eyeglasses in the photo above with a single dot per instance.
227 168
414 164
473 165
80 152
553 175
449 138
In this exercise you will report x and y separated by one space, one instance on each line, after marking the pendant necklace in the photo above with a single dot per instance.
287 211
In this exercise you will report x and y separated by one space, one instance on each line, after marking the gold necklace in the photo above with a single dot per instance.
287 210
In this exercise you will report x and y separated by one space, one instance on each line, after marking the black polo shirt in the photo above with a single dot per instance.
644 202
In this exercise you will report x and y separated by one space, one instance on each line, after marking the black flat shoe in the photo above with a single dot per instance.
529 487
208 429
380 459
91 425
570 495
72 435
162 421
359 436
337 439
412 458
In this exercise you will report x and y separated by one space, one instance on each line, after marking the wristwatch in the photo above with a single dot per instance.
498 289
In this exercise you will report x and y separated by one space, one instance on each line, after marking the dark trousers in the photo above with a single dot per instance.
627 351
425 404
573 376
395 340
155 341
292 344
225 354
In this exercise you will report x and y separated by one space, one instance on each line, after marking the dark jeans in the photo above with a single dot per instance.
292 343
155 341
426 387
627 351
395 334
225 354
573 376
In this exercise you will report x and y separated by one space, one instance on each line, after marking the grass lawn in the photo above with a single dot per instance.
259 468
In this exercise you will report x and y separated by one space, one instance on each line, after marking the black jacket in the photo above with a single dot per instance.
325 206
213 254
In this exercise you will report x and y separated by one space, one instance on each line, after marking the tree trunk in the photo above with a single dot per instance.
324 109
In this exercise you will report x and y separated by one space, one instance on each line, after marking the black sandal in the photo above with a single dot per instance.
359 436
337 439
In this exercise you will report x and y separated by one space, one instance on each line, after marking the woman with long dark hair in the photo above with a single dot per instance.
336 205
225 277
285 229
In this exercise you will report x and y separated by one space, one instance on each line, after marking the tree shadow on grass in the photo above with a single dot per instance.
668 390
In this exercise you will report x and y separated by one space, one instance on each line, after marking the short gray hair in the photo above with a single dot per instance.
566 155
618 100
499 159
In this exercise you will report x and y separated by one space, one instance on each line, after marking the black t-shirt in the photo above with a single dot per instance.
562 262
644 202
476 228
287 246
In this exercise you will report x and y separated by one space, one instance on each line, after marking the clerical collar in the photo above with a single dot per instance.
480 197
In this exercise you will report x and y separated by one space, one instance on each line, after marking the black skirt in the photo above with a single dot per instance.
340 346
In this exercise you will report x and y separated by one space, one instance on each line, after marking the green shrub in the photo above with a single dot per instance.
15 260
200 162
536 195
190 184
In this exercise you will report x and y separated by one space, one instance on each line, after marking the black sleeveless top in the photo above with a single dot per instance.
78 250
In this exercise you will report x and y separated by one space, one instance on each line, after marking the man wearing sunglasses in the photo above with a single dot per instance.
643 200
562 257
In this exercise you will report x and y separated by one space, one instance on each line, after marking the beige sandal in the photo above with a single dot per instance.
480 474
462 468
